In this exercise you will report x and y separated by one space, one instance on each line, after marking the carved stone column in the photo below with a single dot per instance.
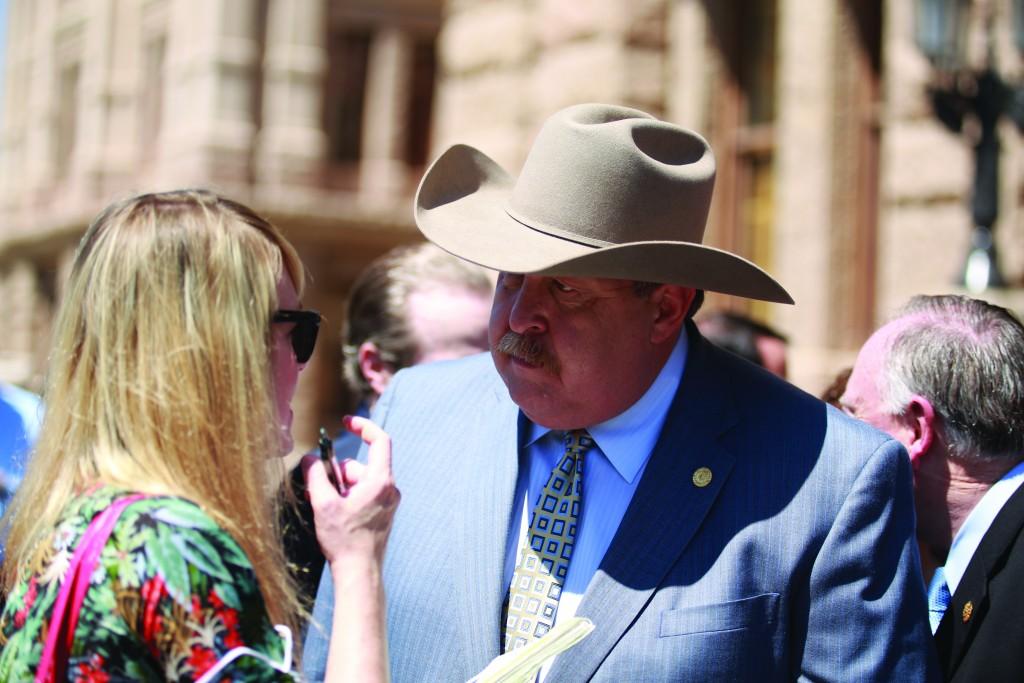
291 144
383 168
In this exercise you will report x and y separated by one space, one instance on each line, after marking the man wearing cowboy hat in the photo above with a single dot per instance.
605 461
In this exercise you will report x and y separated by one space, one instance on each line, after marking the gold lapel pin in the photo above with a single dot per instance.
968 611
701 477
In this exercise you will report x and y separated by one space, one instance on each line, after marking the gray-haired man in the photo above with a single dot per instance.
946 378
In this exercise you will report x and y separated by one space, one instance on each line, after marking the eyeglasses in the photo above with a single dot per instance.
303 335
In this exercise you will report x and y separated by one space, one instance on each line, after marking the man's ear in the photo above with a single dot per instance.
375 370
671 304
920 417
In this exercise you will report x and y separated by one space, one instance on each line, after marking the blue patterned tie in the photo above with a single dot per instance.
938 598
544 558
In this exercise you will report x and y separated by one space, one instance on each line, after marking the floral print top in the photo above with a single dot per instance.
171 595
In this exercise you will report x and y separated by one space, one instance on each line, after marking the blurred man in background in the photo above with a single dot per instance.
946 378
415 304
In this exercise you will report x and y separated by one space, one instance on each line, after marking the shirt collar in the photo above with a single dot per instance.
977 524
628 438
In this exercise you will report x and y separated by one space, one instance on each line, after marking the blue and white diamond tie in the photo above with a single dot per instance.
938 598
544 558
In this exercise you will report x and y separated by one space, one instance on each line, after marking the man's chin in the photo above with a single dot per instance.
523 380
537 398
548 418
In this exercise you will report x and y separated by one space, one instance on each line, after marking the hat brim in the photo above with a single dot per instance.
461 207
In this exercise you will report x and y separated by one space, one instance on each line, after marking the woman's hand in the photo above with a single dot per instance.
354 524
352 527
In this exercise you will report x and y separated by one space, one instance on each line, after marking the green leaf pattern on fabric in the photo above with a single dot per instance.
171 595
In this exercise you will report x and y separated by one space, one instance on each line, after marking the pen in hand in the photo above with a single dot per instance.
327 458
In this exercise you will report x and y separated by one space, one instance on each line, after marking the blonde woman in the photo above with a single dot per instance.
176 354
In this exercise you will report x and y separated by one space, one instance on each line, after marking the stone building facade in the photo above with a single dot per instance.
315 113
833 172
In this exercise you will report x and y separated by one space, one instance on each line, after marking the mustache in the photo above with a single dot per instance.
528 349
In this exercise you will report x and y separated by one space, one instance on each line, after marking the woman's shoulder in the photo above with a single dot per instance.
147 514
178 539
177 576
166 540
148 509
97 498
170 584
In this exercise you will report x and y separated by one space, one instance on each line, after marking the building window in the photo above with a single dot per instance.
152 104
348 60
66 126
856 154
742 127
421 101
378 101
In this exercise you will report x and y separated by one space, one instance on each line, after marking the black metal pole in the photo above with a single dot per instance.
981 269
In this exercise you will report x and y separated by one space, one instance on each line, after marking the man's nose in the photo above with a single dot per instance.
527 314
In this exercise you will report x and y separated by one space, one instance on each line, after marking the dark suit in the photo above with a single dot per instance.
796 560
986 642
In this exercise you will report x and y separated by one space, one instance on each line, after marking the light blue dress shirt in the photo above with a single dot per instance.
977 524
610 477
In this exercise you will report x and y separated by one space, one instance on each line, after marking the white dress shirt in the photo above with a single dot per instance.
977 524
611 473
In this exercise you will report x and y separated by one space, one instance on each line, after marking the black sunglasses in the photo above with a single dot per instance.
307 325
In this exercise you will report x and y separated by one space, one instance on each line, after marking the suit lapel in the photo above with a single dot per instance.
491 446
666 511
955 633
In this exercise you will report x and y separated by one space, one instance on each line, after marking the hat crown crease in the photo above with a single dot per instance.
629 179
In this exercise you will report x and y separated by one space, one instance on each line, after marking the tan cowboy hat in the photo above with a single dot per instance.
606 191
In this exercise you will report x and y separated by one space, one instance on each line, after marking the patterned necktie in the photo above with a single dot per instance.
544 558
938 598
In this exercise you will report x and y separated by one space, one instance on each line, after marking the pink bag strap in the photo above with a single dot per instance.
53 664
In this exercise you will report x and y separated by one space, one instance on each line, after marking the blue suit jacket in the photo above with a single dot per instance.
797 561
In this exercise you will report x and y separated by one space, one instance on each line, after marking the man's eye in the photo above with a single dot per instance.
562 287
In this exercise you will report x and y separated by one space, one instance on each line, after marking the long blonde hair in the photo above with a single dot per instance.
159 377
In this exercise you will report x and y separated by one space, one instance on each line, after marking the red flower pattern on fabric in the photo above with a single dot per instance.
152 623
201 659
161 637
92 672
233 640
228 617
31 593
29 600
